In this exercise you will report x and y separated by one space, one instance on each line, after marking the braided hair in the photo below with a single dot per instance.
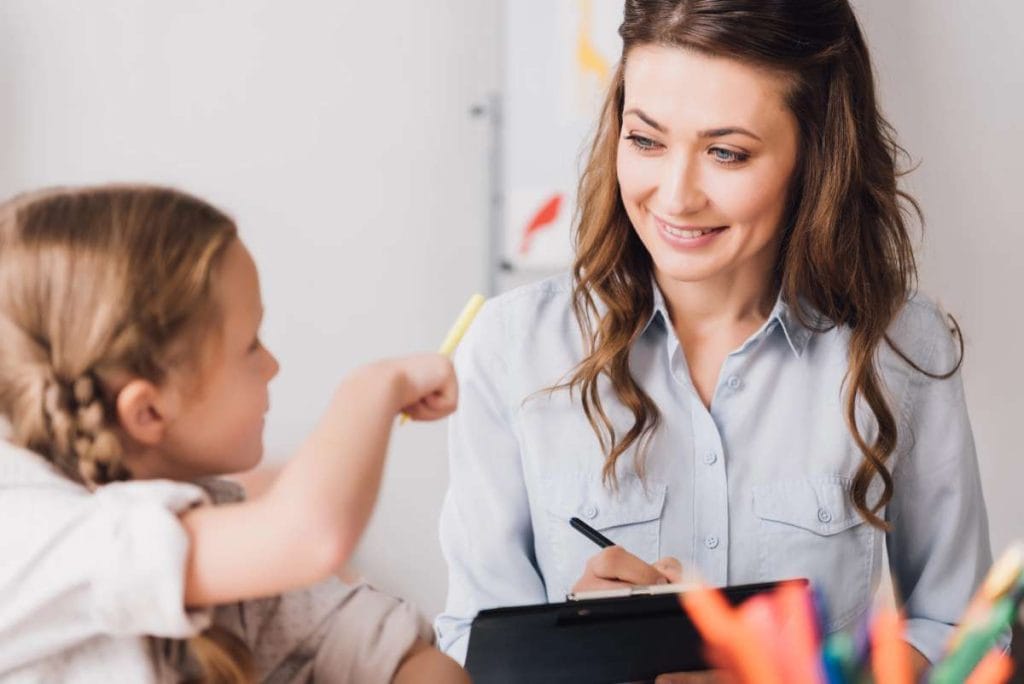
98 284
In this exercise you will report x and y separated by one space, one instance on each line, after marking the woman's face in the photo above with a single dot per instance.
705 157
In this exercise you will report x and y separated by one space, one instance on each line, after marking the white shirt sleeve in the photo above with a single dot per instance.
75 564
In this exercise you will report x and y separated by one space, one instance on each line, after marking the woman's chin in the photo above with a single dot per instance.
688 271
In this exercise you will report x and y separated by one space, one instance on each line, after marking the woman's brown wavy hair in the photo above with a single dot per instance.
97 283
846 257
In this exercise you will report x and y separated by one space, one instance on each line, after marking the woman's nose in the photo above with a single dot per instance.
680 189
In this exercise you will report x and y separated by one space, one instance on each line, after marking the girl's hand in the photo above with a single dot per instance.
427 386
614 567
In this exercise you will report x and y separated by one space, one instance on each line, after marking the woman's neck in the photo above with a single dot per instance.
713 317
728 300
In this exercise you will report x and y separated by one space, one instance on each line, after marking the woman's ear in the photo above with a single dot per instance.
143 411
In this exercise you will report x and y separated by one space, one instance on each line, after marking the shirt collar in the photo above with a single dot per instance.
796 333
782 315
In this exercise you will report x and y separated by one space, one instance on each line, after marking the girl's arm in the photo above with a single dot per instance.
308 523
424 663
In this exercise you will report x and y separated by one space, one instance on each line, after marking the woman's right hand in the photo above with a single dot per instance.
614 568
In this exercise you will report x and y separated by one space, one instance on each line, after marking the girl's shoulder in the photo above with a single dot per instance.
20 467
32 486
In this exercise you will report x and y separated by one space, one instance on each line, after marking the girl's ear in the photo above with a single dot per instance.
143 411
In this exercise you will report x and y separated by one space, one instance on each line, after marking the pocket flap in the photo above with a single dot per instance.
602 507
820 505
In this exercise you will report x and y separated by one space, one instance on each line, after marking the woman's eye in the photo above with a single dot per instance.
725 156
641 143
256 344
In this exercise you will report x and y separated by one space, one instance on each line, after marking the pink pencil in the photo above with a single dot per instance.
803 664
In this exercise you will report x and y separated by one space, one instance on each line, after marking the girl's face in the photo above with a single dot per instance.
218 425
706 154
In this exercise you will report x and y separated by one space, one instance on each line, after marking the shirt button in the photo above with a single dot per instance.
590 512
711 541
824 516
710 457
734 382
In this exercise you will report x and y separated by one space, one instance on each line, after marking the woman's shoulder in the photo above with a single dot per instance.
924 329
528 335
925 334
543 305
533 298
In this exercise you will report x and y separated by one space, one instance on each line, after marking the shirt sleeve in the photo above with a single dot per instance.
938 546
369 637
331 632
486 530
78 564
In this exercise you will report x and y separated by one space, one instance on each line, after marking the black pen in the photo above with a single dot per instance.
590 533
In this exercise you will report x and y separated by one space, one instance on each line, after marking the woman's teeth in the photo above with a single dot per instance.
688 234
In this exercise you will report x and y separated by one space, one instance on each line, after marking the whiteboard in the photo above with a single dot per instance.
559 56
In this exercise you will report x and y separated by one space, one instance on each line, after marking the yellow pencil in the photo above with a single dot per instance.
454 336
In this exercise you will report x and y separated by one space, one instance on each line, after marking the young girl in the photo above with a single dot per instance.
737 373
131 372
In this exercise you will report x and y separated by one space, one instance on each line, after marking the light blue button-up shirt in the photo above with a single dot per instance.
755 488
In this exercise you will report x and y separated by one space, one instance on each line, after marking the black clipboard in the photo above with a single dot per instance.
598 640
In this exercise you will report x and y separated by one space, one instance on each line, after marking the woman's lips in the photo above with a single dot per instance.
688 237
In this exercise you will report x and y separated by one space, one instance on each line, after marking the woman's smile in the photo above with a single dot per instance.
687 237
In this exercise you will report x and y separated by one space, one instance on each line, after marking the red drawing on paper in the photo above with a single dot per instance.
544 217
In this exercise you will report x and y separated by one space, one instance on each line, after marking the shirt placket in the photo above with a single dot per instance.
710 545
710 496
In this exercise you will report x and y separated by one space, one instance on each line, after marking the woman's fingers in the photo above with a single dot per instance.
670 568
616 567
597 584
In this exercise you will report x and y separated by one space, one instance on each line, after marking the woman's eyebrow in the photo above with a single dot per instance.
707 133
727 130
646 119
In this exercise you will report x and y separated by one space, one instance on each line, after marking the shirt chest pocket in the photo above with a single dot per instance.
810 528
629 516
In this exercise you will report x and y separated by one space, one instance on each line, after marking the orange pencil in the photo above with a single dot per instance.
890 655
721 626
994 668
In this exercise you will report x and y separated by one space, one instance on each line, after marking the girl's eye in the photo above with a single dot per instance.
256 344
641 143
725 156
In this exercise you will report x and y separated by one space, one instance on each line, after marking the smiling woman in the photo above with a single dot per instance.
738 373
706 199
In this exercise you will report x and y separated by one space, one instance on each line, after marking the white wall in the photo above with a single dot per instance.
952 81
337 133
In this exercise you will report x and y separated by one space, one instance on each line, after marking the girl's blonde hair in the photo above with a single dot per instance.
98 284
